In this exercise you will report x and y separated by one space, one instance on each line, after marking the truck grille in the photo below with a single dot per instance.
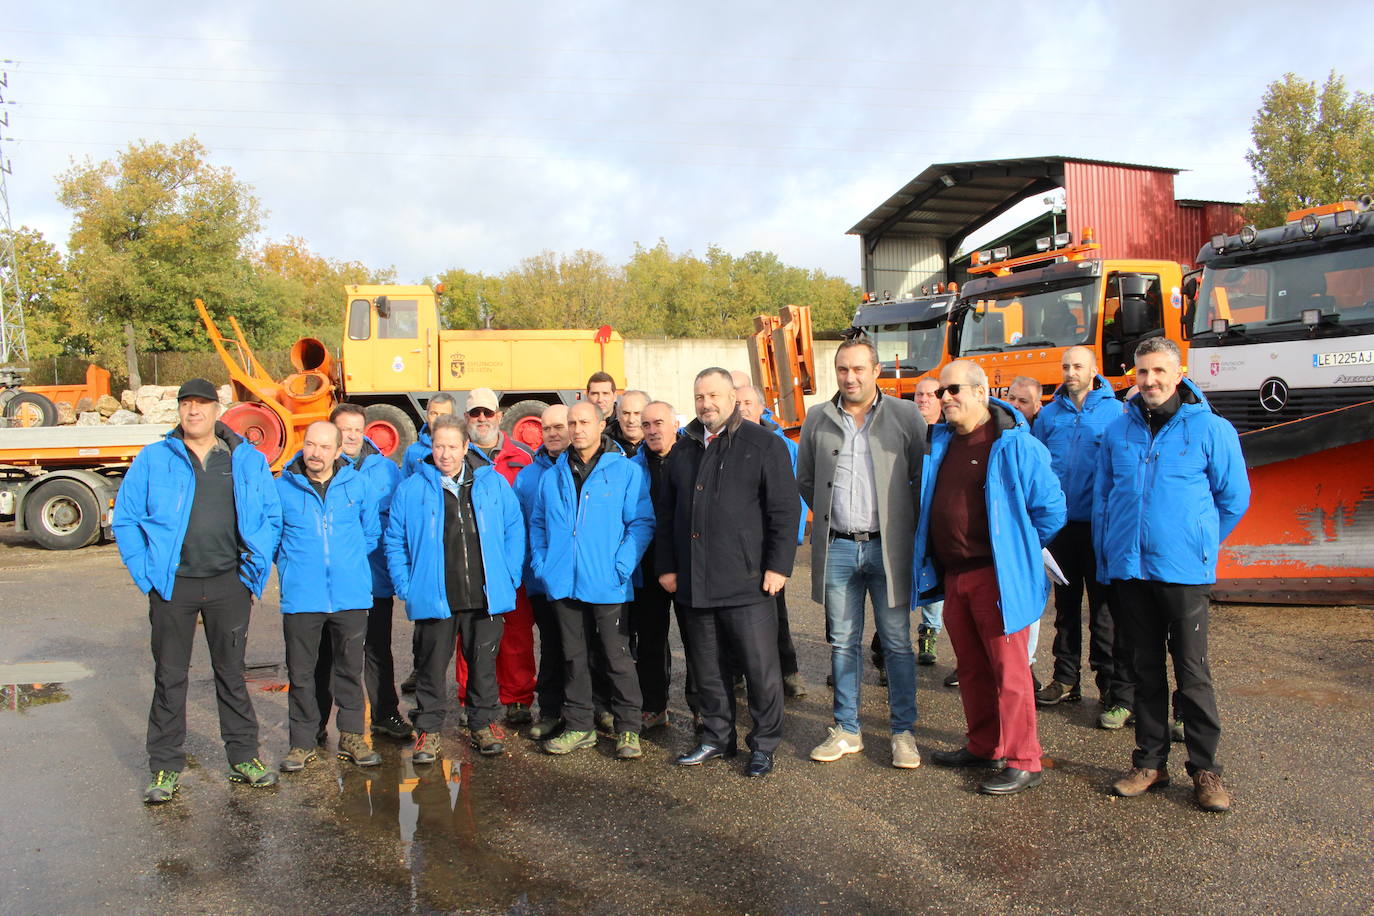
1243 408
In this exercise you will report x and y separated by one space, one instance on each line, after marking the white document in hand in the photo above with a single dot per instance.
1052 568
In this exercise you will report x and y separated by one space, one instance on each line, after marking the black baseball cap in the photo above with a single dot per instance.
198 388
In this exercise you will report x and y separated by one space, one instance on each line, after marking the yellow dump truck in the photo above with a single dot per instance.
395 355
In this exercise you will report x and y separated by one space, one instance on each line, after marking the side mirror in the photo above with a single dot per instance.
383 307
1134 286
1135 316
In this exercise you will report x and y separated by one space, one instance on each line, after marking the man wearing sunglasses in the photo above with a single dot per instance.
515 667
985 467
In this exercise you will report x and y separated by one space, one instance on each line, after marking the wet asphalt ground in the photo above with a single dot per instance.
530 833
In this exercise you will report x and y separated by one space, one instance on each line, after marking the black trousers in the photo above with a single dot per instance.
1162 618
650 622
548 688
787 650
223 603
379 669
434 641
690 690
345 632
751 633
608 624
1108 654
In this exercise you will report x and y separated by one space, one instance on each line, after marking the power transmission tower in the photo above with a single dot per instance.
14 343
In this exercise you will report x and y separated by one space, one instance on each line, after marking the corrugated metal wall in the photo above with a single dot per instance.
1134 214
901 266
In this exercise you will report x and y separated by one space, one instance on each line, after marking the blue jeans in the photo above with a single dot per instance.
933 615
854 569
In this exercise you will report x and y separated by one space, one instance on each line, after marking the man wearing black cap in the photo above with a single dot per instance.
197 522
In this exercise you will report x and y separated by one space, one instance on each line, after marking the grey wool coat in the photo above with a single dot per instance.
897 444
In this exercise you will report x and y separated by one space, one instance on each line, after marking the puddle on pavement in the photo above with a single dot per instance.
25 697
270 677
440 826
1295 689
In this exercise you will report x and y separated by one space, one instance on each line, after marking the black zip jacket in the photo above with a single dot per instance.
726 514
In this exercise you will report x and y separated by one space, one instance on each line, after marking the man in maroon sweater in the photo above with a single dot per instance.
986 473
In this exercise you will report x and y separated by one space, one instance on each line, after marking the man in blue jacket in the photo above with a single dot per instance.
441 404
379 669
987 474
1071 426
197 522
455 547
592 521
329 525
549 684
1171 486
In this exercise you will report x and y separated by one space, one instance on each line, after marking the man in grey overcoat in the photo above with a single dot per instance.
858 467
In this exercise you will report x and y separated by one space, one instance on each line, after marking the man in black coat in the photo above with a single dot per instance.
727 536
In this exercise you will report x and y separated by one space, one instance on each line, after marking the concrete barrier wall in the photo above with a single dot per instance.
667 368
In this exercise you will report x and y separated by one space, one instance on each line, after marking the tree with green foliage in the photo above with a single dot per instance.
153 230
51 310
1312 146
307 290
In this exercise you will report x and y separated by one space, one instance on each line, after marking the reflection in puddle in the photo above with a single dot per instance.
268 676
23 697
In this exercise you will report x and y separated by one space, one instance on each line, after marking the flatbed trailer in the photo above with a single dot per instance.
59 483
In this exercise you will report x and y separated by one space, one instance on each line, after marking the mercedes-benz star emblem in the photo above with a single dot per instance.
1273 394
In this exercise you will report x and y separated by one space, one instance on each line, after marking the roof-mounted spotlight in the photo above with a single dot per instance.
1043 244
1344 220
1001 254
1219 242
1220 326
1063 239
1309 224
1248 235
1311 317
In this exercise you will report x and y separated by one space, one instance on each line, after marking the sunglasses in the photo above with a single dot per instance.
949 389
481 412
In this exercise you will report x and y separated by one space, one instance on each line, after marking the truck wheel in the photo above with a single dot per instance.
63 515
390 429
521 422
29 408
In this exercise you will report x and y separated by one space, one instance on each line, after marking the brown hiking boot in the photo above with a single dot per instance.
490 741
1056 692
1211 795
1139 781
426 749
353 748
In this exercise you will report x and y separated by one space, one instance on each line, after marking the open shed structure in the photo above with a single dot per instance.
911 239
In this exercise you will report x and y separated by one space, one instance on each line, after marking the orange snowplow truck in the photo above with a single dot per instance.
1017 316
396 353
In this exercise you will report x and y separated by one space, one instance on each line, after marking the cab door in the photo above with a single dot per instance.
389 343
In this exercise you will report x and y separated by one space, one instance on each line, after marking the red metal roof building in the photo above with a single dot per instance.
911 238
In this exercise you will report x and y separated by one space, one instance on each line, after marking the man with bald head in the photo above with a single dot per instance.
984 464
592 522
1071 426
1024 393
549 685
331 522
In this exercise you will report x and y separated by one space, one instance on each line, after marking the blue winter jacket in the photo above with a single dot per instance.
322 558
383 476
1025 511
1073 437
415 541
1162 507
526 488
416 452
588 548
792 449
154 506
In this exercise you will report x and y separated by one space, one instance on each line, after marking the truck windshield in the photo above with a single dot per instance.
912 348
1276 293
1022 319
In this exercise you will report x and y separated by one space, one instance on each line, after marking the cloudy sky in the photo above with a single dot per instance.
430 135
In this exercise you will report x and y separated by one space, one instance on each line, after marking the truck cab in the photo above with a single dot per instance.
910 337
1018 316
1282 345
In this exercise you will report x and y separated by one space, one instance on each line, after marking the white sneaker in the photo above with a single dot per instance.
837 745
905 756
